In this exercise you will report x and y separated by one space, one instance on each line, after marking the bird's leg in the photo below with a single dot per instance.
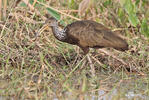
91 65
85 50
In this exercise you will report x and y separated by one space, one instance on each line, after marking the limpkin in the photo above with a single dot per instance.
87 34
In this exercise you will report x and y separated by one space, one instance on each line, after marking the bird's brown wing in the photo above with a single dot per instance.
92 34
76 31
87 32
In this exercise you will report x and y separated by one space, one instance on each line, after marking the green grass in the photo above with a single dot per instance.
46 68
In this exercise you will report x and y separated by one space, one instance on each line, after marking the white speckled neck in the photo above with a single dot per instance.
59 34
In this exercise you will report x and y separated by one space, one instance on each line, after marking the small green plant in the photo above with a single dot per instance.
131 9
144 27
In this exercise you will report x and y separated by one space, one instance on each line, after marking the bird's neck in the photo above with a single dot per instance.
59 34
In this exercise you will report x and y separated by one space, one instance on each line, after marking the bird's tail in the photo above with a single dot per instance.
120 44
115 41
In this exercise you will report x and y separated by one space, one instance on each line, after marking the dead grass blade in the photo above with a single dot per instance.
110 54
59 11
5 8
0 10
33 9
83 6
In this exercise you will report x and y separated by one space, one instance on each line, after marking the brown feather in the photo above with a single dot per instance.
88 33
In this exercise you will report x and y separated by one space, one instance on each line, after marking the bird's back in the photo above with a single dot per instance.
89 33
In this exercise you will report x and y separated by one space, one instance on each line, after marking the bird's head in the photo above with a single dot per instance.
51 22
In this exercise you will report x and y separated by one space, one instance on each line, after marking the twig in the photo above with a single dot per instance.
34 2
101 64
26 19
69 11
4 27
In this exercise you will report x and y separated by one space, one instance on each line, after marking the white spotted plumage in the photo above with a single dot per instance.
59 34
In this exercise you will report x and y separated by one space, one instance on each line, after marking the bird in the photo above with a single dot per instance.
87 34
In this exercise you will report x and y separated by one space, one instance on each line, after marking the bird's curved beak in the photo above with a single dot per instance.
44 27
